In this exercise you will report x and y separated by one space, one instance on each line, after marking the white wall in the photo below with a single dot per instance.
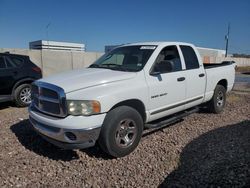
241 62
54 61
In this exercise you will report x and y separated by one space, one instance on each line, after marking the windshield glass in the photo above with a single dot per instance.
127 58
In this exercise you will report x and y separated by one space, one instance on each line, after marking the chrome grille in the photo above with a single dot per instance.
49 99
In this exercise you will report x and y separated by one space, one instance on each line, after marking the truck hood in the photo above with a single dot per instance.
85 78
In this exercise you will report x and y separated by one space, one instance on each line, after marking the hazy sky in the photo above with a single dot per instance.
100 23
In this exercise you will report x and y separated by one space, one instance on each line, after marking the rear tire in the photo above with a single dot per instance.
22 95
217 103
121 131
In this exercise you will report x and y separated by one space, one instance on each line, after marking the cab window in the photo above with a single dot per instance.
190 57
168 60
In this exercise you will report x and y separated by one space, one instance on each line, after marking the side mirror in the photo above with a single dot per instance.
155 71
162 67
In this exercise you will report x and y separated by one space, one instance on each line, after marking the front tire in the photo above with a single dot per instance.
121 131
22 95
217 103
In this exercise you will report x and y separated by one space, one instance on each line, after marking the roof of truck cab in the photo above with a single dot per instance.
158 43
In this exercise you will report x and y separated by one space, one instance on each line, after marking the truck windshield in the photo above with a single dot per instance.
127 58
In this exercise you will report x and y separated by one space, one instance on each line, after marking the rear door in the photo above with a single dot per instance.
9 74
167 89
5 78
195 77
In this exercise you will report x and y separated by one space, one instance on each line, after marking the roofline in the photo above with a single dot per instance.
169 43
158 43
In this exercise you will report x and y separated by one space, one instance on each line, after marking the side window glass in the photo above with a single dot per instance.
17 61
190 57
2 63
168 60
9 63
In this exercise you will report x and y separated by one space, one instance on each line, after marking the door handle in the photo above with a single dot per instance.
181 79
201 75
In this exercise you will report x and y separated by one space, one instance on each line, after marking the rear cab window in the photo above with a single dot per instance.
190 57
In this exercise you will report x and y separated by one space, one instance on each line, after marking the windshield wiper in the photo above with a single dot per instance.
94 66
102 65
120 68
112 66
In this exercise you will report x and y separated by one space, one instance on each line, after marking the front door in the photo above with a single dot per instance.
7 77
166 84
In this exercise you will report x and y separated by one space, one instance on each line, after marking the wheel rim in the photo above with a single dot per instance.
126 133
220 99
25 95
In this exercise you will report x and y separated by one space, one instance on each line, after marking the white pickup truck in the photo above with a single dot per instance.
133 87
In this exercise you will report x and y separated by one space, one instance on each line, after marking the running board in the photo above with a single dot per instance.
158 124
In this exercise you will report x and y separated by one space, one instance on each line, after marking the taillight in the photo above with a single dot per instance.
37 69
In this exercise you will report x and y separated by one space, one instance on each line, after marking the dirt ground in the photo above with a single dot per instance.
243 69
203 150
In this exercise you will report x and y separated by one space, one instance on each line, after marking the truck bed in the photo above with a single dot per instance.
217 72
214 65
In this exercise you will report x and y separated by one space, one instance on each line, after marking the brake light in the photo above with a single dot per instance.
37 69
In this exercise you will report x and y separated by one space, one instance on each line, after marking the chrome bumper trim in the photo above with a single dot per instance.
84 137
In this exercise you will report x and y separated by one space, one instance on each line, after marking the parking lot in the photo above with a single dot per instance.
156 94
202 150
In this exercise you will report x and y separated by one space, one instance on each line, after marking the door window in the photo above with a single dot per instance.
9 63
190 57
17 62
168 60
2 63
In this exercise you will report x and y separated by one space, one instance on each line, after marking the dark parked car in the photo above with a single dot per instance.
17 72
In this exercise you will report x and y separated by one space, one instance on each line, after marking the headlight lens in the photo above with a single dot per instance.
83 107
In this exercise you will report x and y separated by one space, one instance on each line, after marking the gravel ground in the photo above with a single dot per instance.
203 150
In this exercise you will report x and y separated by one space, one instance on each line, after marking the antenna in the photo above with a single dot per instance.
227 38
47 33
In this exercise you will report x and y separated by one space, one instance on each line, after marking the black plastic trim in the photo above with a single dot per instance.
201 75
175 106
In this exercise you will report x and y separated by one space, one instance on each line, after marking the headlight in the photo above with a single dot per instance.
83 107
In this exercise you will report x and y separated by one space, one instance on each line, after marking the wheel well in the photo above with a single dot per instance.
20 82
136 104
223 83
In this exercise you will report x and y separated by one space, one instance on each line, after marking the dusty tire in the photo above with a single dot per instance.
121 131
22 95
217 103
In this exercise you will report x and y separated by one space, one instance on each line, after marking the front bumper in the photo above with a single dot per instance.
64 133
